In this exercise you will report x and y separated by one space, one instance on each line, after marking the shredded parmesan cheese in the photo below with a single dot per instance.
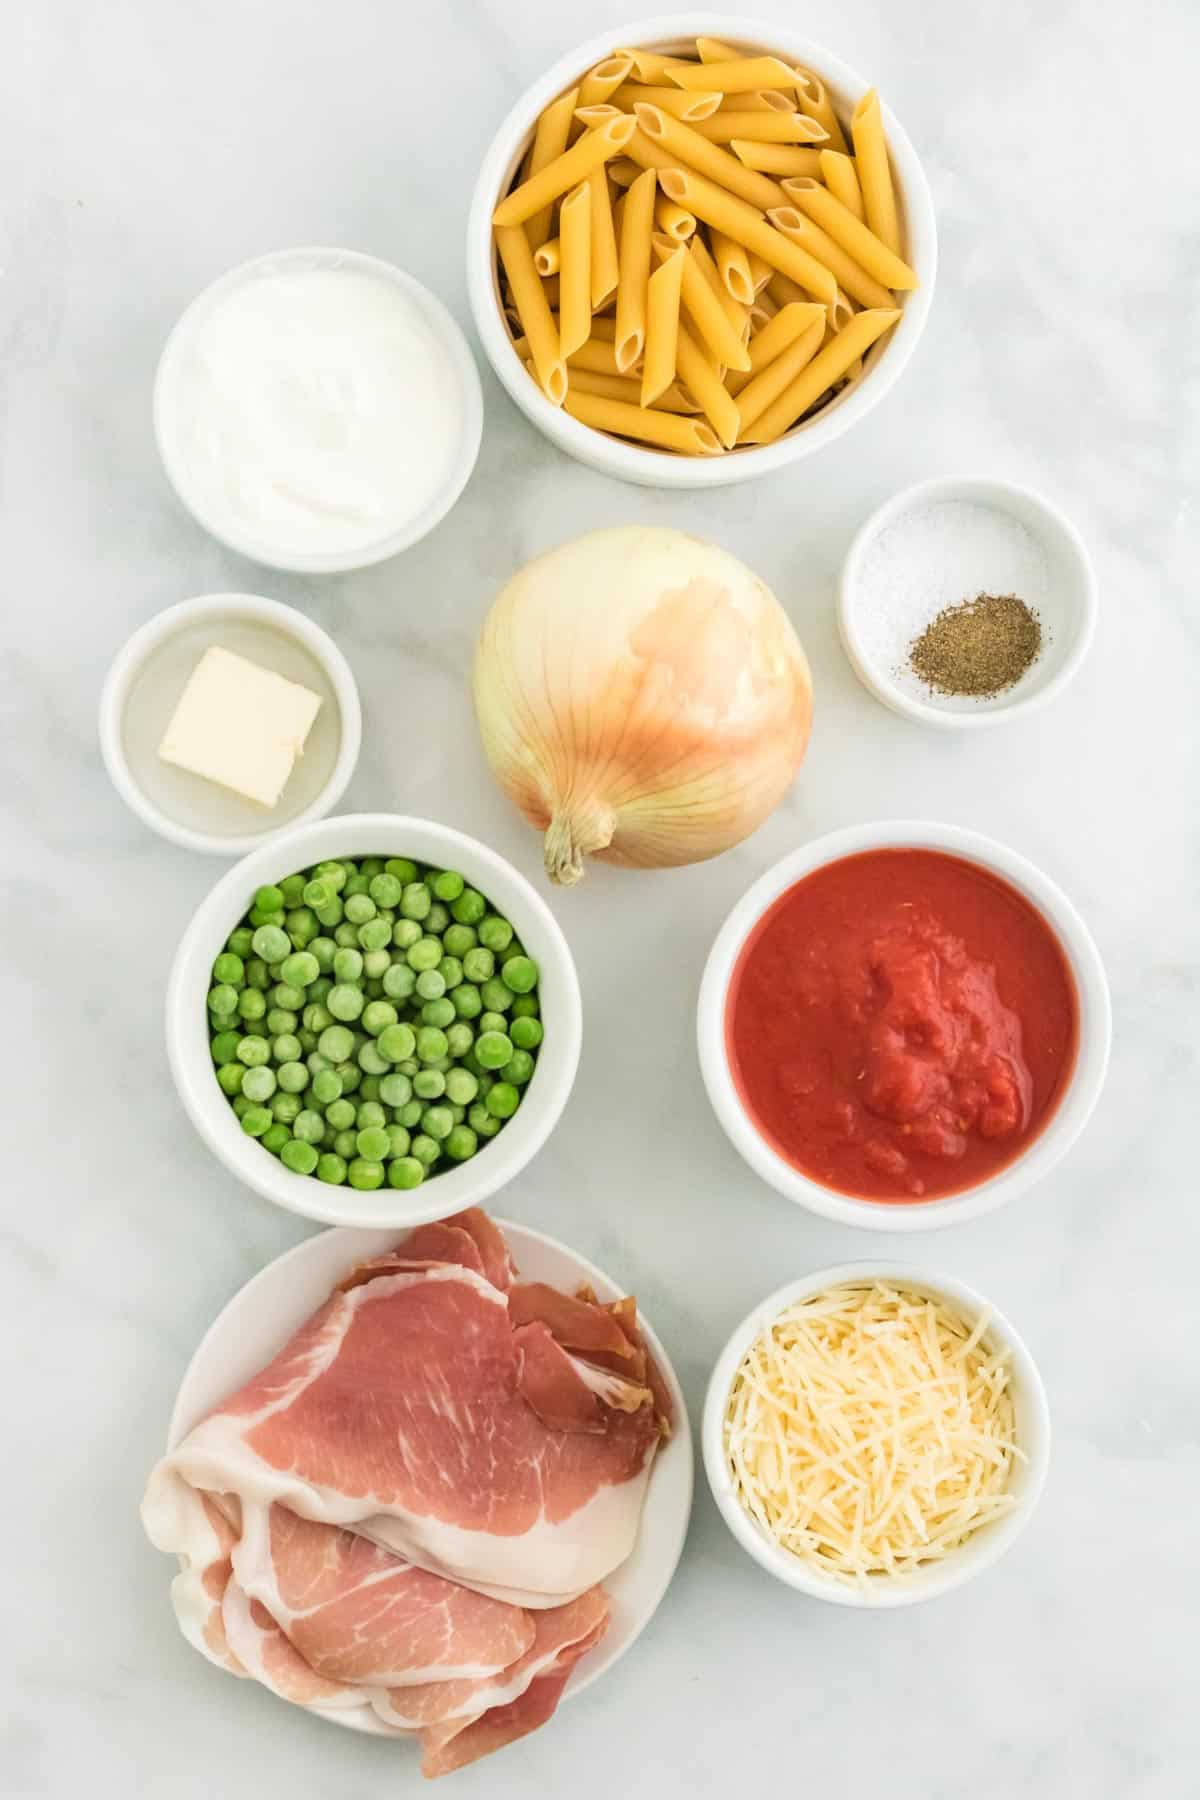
870 1430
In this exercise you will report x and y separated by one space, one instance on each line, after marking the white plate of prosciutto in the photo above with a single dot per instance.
424 1484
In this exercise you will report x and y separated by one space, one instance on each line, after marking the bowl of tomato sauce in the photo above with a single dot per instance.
903 1025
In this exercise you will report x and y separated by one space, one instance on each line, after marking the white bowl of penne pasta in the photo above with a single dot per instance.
699 249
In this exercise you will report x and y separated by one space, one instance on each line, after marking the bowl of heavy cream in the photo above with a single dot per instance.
317 410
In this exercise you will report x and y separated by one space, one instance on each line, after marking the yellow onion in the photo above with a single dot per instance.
642 698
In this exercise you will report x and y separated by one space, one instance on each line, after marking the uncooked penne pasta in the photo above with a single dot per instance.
869 251
662 326
711 50
764 100
674 220
783 290
549 141
600 83
777 375
666 431
739 75
776 334
637 225
734 266
623 170
702 381
760 272
575 277
604 238
874 171
733 309
761 313
547 258
679 101
761 127
537 321
550 290
713 326
841 265
566 171
652 66
627 388
828 366
598 354
726 213
684 143
837 171
814 97
776 159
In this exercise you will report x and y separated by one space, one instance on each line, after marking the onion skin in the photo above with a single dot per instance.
642 697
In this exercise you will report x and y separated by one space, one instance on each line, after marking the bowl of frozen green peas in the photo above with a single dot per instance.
374 1020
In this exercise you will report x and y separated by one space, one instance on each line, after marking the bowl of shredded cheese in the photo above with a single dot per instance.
874 1435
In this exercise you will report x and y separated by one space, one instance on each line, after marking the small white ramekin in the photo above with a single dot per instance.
1032 1431
356 835
1042 1154
444 328
1068 611
213 609
654 468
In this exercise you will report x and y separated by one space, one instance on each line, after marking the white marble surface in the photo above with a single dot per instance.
147 147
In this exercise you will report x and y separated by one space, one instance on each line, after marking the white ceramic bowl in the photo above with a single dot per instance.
986 1546
1066 602
499 1159
1043 1153
652 468
443 327
143 686
278 1299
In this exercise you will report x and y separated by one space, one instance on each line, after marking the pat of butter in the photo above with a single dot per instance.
240 725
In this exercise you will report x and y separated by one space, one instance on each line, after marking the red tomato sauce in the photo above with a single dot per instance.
901 1024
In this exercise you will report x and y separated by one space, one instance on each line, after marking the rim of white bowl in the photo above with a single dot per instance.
1044 1151
649 468
287 620
503 1157
875 677
982 1550
445 328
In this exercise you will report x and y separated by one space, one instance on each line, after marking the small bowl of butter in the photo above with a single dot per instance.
226 718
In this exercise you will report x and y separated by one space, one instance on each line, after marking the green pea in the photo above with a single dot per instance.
471 1061
330 916
299 969
224 1046
496 995
395 1089
469 908
308 1039
271 943
340 1114
302 926
461 1087
229 969
518 1069
345 935
299 1155
377 1015
241 942
426 953
399 982
345 1143
351 1076
396 1042
256 1120
333 874
495 932
258 975
467 1001
404 870
461 1143
314 1062
347 964
370 1113
257 917
376 964
492 1021
285 1107
431 1044
431 984
451 972
429 1084
370 1061
408 1065
369 1087
326 1087
283 994
258 1084
324 949
493 1049
425 1149
292 1077
502 1100
291 888
269 899
222 1001
374 1143
359 908
406 1172
398 1141
386 889
520 974
370 866
274 1138
280 1020
229 1078
458 939
457 1113
525 1033
336 1042
308 1126
285 1047
415 901
316 1017
345 1001
406 933
438 1012
459 1039
448 885
437 1121
437 919
355 884
478 965
481 1121
409 1114
331 1168
252 1004
365 1172
253 1050
241 1106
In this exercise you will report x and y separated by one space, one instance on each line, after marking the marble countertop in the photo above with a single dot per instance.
146 148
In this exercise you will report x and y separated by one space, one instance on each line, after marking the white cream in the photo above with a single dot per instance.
312 410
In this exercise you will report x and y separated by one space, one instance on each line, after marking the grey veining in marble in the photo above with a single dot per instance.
146 147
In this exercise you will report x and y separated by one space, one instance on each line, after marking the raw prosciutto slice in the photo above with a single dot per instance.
410 1510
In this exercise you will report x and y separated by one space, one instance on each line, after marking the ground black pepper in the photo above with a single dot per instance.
978 647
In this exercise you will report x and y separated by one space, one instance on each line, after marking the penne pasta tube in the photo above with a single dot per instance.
840 313
711 50
566 171
604 238
666 431
627 388
841 265
724 212
602 82
838 173
764 100
777 375
684 144
623 170
703 382
783 290
814 97
874 170
761 314
679 101
546 259
733 265
737 75
776 334
776 159
760 273
733 309
575 280
857 239
603 330
662 326
651 66
713 325
550 136
550 290
597 354
829 364
674 220
761 127
637 225
537 321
